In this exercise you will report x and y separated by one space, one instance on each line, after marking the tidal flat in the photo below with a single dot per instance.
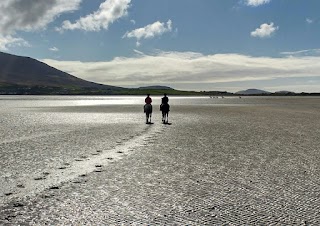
92 160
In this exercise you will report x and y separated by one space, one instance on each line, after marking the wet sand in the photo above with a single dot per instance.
253 161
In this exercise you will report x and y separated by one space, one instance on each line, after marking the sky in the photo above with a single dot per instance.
202 45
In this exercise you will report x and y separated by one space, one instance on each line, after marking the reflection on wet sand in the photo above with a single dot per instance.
221 161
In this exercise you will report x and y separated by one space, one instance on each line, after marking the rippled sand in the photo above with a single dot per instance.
249 161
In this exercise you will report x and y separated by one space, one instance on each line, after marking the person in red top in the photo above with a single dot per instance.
148 99
148 108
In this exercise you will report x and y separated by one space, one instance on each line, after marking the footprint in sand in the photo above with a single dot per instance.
47 196
20 186
54 188
18 204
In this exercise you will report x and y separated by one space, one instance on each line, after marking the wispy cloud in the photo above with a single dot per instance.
300 53
172 68
256 3
149 31
309 21
265 31
138 52
54 49
108 12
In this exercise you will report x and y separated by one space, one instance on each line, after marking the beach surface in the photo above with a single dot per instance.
223 161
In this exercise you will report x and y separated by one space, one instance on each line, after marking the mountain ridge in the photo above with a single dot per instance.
26 71
252 92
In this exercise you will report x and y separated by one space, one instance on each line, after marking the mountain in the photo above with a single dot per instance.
28 72
252 92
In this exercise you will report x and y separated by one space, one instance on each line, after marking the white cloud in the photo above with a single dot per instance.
172 68
133 21
54 49
149 31
9 41
138 52
309 21
300 53
256 3
265 30
108 12
29 15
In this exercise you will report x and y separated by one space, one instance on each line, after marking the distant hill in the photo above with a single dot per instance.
284 92
252 92
156 87
28 72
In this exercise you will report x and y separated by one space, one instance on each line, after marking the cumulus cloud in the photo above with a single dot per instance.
172 68
29 15
149 31
9 41
256 3
26 15
108 12
265 30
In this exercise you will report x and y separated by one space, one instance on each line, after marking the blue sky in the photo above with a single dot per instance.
186 44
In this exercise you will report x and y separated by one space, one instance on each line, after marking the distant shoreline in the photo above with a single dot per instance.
11 89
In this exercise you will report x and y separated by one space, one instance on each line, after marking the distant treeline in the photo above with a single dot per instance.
7 89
